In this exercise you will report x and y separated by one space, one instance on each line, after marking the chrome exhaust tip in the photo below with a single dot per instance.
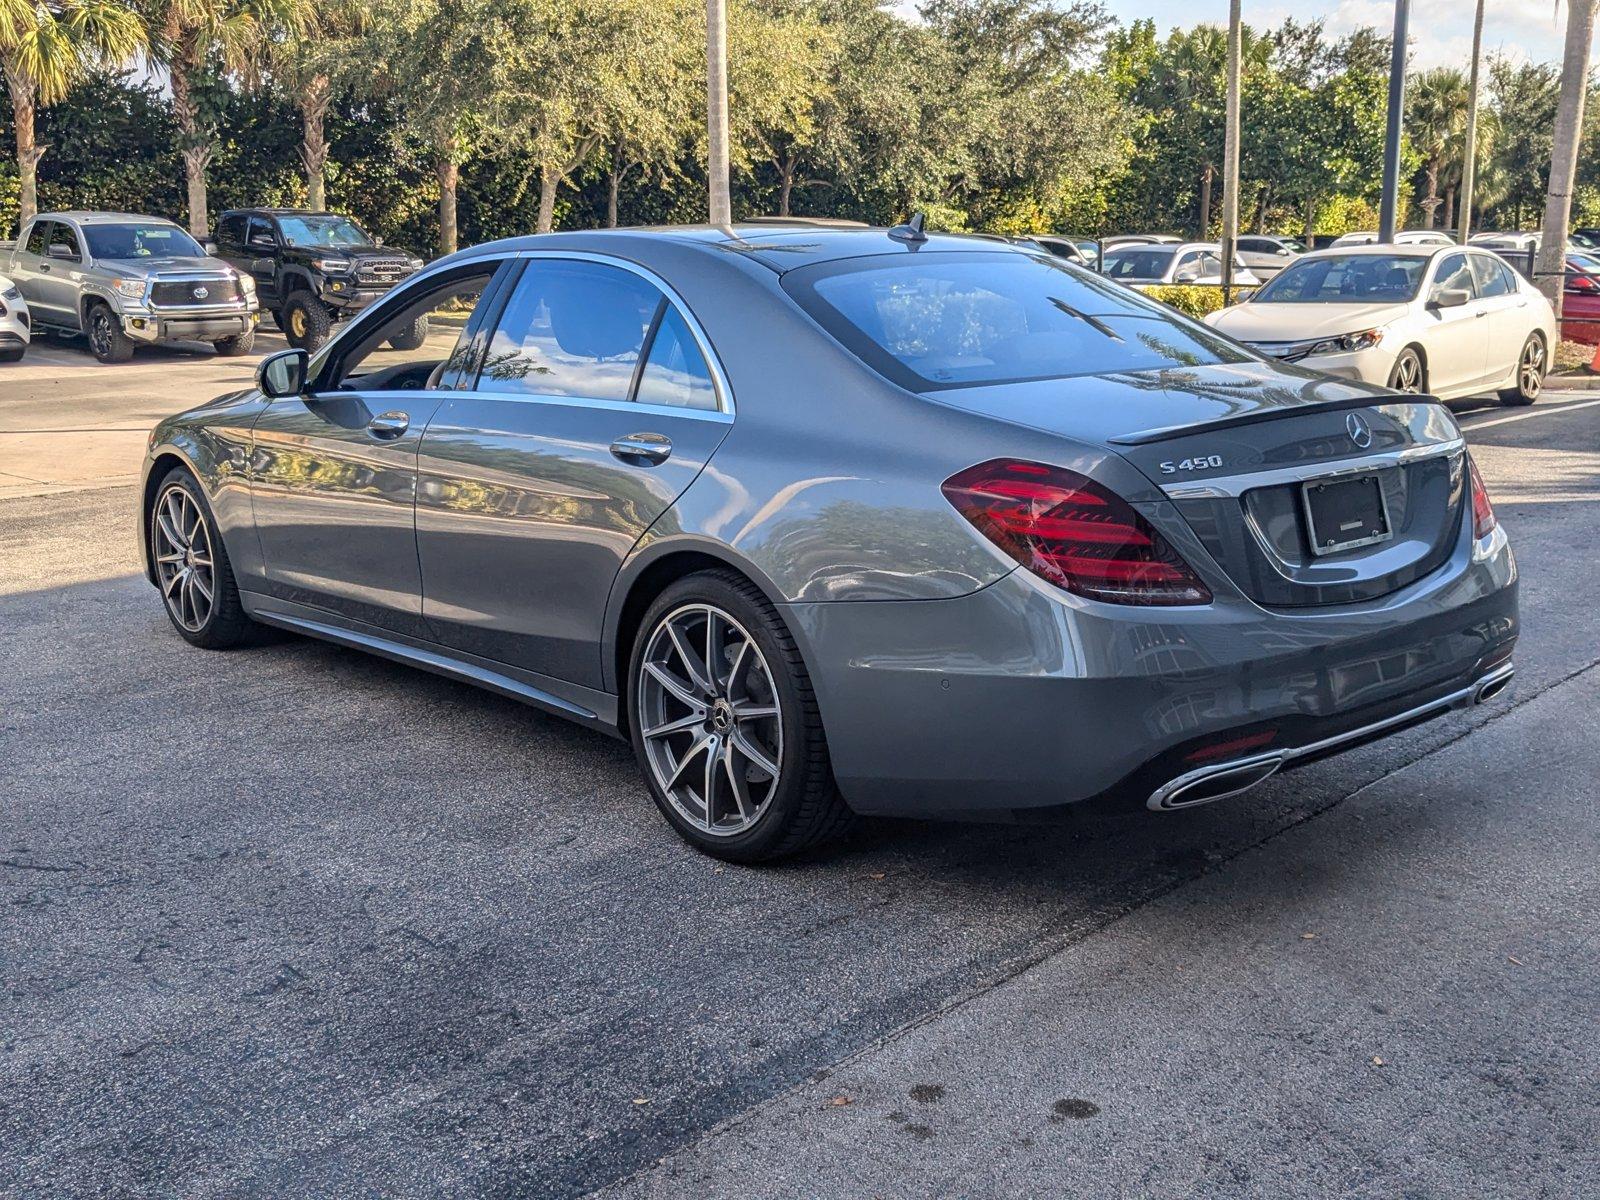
1493 686
1202 786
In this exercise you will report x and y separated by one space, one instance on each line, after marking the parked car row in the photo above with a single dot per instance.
121 280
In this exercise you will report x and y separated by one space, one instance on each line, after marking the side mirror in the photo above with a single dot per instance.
209 247
1186 275
262 241
57 250
1450 298
377 241
283 374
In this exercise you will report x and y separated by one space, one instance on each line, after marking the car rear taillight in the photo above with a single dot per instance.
1071 531
1582 283
1483 521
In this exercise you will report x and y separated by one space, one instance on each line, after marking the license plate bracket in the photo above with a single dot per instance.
1345 514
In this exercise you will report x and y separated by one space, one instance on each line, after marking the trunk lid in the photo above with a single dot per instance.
1235 449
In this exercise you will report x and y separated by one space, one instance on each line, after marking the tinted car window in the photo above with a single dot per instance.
1493 276
39 237
230 229
571 328
1145 262
261 227
954 320
675 371
1345 279
1454 274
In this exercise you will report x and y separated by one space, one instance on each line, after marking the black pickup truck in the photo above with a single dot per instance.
313 268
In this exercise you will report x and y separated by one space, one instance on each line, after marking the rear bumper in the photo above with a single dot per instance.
1015 700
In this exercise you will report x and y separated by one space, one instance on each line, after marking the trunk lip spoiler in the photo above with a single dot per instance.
1168 432
1231 486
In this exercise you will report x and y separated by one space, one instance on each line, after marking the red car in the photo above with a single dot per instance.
1580 305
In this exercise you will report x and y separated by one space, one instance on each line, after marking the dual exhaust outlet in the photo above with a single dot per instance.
1206 784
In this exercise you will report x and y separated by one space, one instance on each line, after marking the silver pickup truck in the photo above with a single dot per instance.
121 279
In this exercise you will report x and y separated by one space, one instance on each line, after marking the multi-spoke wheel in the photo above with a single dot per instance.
106 340
1408 375
725 723
1530 374
191 566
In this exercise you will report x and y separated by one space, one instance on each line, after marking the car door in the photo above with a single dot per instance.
231 243
597 404
61 275
260 258
1455 340
334 471
1510 316
26 259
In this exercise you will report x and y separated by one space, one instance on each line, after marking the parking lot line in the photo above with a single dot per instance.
1548 410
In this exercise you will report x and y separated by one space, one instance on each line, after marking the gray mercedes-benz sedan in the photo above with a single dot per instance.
834 521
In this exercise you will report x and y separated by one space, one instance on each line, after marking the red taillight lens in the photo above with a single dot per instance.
1067 529
1483 521
1582 283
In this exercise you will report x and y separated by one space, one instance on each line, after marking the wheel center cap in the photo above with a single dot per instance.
722 716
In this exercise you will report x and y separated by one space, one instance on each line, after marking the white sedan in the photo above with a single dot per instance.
1171 263
15 323
1449 321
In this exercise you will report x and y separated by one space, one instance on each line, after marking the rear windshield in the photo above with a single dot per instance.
140 240
964 320
1345 279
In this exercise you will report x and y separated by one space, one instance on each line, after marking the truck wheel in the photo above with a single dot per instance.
239 343
412 337
305 321
12 355
107 342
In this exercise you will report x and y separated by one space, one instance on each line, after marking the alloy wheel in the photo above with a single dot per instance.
185 569
100 332
297 322
709 719
1530 372
1408 374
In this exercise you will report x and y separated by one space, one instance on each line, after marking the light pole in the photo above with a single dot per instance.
1389 205
1230 156
721 206
1469 165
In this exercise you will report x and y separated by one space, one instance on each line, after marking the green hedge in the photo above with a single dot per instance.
1192 300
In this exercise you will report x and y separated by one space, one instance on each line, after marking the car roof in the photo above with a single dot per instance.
282 212
781 248
1407 249
84 217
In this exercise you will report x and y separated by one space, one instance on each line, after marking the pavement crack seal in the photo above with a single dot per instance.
1077 931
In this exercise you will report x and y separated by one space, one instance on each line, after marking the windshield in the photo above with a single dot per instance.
1138 262
1345 279
1587 263
140 240
967 319
322 231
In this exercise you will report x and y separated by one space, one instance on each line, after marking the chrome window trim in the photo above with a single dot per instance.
719 381
1227 487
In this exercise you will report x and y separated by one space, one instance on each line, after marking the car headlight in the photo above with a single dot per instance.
1366 339
247 284
133 288
333 266
414 263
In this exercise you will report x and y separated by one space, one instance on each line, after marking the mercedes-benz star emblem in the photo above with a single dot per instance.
200 293
1359 433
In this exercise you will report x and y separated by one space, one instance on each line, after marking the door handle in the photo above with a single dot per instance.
389 425
651 448
1481 313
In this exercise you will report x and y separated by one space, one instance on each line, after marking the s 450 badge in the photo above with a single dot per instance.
1202 462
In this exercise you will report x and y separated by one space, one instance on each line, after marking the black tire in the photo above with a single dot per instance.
226 625
1409 374
107 341
806 808
305 321
239 343
1532 363
12 355
413 337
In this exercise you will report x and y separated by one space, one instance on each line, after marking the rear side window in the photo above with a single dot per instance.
965 319
571 328
230 229
675 373
39 238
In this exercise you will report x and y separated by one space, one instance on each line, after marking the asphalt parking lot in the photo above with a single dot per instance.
292 921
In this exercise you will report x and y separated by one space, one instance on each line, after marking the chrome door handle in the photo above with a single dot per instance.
1480 314
651 448
389 425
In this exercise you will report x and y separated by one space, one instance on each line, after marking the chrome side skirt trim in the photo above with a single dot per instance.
1218 781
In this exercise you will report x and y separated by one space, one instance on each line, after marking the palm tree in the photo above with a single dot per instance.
46 46
1549 270
194 38
310 65
1438 114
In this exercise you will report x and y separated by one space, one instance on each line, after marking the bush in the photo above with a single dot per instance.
1192 300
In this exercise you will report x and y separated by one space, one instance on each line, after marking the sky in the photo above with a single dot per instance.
1440 30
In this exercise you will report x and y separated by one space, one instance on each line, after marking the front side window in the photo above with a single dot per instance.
64 243
1345 279
965 319
261 232
322 229
134 240
571 328
1454 274
1493 277
418 340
